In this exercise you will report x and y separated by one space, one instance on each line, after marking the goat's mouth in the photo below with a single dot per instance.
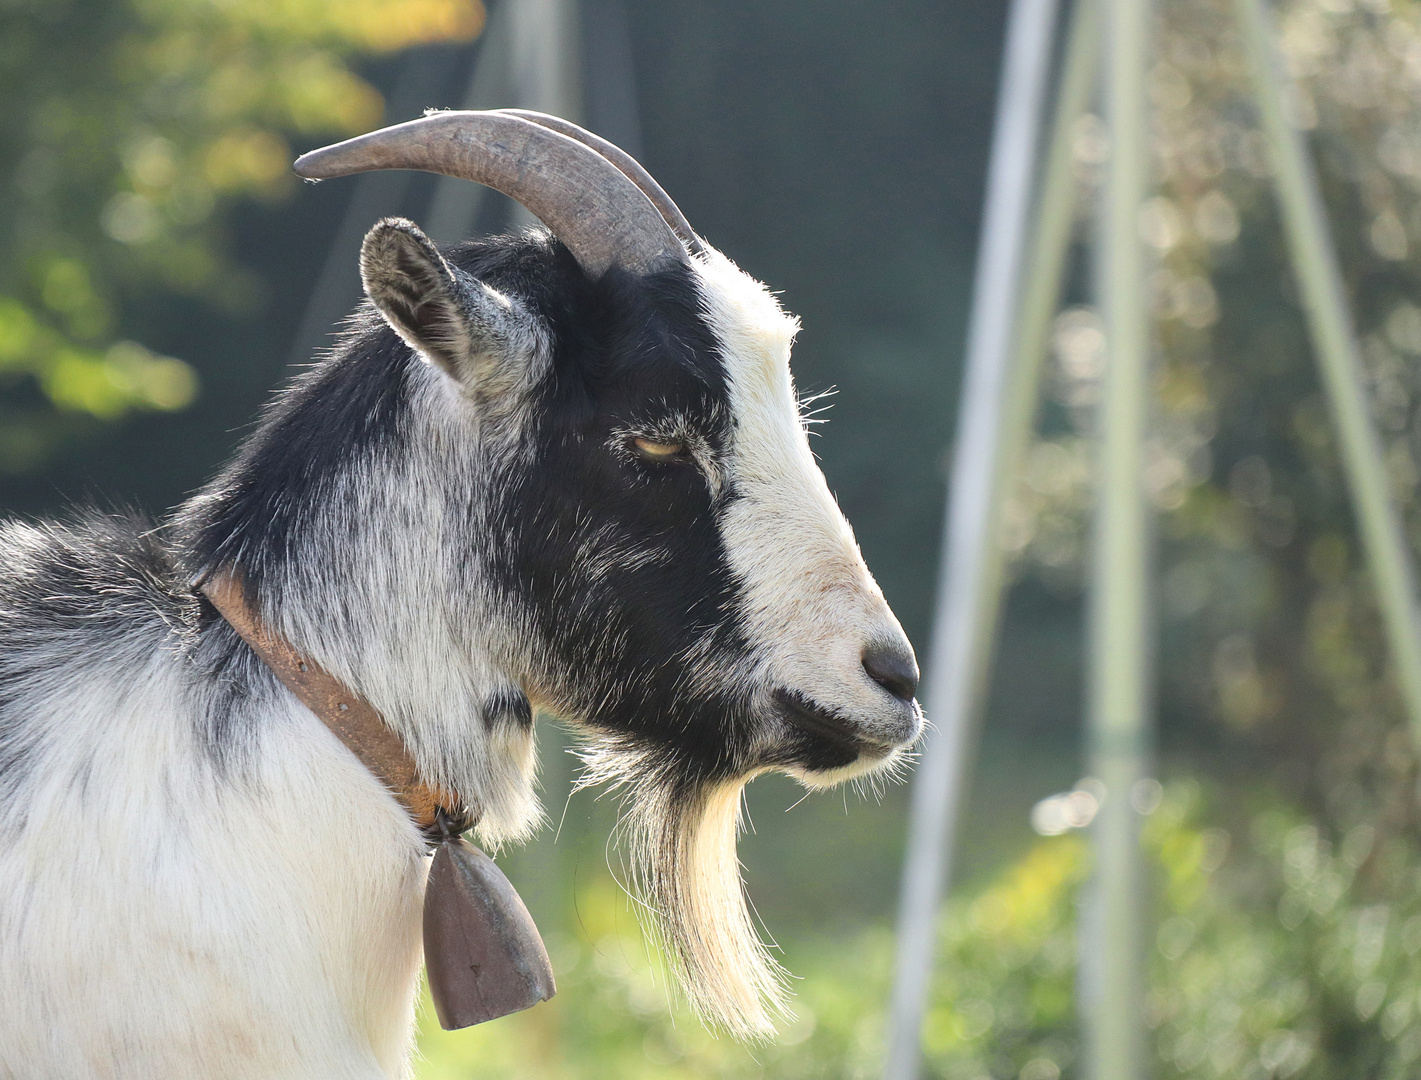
822 740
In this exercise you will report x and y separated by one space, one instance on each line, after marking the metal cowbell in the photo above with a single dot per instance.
484 956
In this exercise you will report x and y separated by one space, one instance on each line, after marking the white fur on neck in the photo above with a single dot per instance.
162 918
383 599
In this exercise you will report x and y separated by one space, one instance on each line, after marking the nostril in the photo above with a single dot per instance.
893 668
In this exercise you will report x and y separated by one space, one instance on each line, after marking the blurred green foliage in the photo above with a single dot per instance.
1277 953
130 127
616 1015
1296 959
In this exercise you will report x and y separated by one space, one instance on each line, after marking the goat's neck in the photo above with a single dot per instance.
379 593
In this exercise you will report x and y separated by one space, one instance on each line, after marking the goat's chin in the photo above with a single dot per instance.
891 764
681 840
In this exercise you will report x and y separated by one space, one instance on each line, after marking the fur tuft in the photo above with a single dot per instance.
681 837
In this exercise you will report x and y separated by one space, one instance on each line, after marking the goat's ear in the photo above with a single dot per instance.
471 331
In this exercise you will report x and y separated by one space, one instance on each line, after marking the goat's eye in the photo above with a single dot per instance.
651 450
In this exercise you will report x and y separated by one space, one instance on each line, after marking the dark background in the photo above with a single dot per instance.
835 151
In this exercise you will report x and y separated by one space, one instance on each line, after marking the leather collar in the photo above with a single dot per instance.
356 722
482 952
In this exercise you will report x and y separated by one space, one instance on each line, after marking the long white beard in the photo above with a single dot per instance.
681 843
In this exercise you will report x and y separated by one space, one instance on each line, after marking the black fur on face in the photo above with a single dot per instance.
618 568
616 560
612 564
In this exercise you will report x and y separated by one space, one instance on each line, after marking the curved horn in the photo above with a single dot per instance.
588 203
630 166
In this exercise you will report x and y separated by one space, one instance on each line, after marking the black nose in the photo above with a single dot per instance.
892 666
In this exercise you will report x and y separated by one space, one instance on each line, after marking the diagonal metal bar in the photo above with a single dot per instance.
532 59
970 572
1120 670
1334 338
1052 230
454 206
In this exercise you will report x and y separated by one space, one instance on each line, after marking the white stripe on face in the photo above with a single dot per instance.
810 606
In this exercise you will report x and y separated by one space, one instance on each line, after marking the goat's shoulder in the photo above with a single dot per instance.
87 606
70 584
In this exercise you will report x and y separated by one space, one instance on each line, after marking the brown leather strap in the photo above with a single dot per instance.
484 954
353 719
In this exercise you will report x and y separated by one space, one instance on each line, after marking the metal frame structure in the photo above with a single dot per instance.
969 578
1011 315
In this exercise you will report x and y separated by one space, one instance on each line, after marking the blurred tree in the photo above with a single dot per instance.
1272 955
1273 659
129 128
1274 673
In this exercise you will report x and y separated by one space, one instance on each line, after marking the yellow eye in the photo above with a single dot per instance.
658 451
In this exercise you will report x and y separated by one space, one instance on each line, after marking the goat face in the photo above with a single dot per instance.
675 575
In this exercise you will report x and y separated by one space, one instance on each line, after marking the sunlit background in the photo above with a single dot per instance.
160 269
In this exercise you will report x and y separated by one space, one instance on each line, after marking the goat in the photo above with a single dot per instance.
562 469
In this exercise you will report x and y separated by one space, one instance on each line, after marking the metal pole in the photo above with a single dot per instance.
1120 657
1335 342
1052 230
454 206
957 660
